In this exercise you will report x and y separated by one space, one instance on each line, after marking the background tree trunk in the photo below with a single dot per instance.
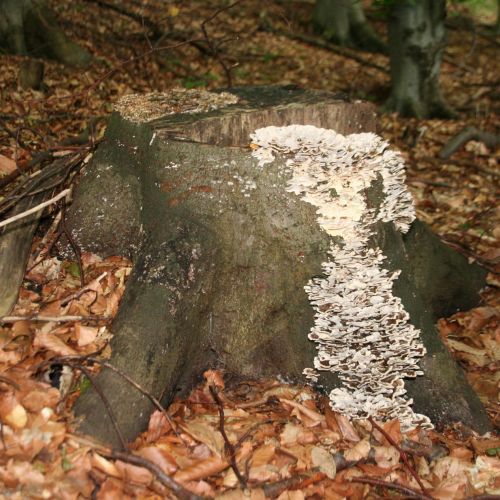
344 22
222 252
29 27
416 44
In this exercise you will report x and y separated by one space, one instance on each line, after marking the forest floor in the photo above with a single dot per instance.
272 438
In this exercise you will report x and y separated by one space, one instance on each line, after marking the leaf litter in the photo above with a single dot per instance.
288 443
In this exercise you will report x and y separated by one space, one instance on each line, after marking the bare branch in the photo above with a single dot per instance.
35 209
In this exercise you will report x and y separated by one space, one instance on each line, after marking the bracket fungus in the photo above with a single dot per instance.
361 329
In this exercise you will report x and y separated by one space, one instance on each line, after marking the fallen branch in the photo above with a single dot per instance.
35 209
56 319
492 141
273 490
402 454
409 492
105 401
83 290
76 361
230 450
163 478
8 381
318 42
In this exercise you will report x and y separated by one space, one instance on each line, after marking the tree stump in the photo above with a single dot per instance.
243 256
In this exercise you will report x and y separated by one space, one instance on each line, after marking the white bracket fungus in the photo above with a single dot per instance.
361 329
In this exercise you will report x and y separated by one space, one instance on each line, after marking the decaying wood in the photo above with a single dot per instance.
15 245
222 252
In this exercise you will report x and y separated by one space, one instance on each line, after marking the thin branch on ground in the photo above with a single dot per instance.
132 382
8 381
163 478
491 141
105 402
76 361
37 208
409 492
56 319
83 290
230 450
464 250
323 44
402 454
273 490
38 181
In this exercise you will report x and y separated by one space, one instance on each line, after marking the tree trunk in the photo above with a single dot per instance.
224 241
497 24
29 27
416 44
344 22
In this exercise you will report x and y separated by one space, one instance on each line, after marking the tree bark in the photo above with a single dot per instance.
416 44
222 252
344 23
29 27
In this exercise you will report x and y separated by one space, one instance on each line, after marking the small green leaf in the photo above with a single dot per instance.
72 268
493 452
65 462
83 384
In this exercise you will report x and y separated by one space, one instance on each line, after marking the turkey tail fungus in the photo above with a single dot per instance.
271 234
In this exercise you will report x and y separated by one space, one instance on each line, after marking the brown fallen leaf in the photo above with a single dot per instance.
160 457
346 428
7 165
324 461
51 342
133 473
201 469
37 399
84 334
12 411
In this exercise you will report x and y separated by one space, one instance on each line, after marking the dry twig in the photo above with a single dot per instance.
33 210
409 492
402 454
230 450
163 478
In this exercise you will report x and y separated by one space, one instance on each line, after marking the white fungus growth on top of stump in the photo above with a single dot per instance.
361 329
141 108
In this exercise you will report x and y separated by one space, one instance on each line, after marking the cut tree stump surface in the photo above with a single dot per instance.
222 251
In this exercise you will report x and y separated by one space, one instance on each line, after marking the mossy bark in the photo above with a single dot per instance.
222 252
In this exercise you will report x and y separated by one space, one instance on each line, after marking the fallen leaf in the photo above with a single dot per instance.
323 460
346 429
53 343
85 335
214 377
134 473
12 412
7 165
359 451
160 457
201 469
